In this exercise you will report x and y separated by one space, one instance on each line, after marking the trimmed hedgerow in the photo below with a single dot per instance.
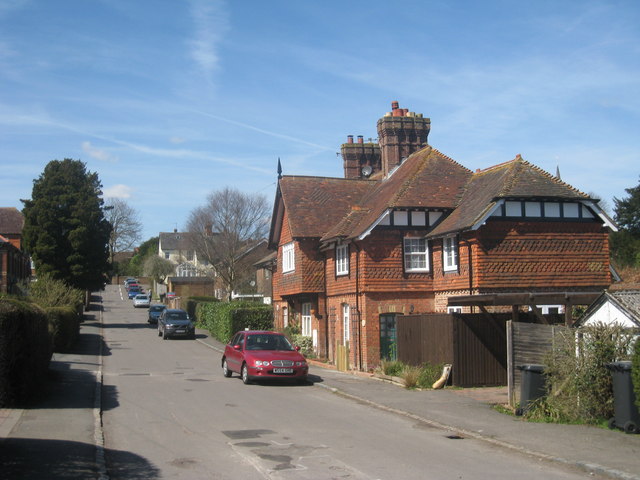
25 351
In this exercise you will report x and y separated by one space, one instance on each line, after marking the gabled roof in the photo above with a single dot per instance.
427 179
335 209
628 301
517 179
11 221
314 204
176 241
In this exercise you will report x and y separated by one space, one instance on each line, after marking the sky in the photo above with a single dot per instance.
171 100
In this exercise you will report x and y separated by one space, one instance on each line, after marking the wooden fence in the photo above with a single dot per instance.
474 344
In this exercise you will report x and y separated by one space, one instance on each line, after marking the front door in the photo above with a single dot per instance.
388 341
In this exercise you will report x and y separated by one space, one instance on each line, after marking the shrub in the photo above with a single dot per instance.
635 371
410 375
579 384
223 319
64 327
392 368
49 292
305 344
429 374
192 303
25 351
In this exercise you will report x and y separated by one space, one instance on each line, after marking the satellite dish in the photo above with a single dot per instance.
366 170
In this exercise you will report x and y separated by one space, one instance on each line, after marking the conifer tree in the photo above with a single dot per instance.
65 230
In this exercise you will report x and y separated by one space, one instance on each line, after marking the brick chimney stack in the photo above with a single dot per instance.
400 134
360 160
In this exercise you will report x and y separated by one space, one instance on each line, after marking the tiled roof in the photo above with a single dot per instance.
175 241
11 221
427 179
514 179
315 204
630 300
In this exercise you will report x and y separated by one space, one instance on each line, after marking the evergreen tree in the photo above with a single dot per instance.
625 244
65 230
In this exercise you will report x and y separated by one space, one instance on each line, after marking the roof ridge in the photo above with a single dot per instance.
447 157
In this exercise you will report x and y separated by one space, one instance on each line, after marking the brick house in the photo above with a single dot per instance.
408 229
15 264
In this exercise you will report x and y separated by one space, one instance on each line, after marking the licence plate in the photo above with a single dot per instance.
283 370
181 331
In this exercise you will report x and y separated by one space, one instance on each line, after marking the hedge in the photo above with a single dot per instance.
25 351
192 305
224 319
64 327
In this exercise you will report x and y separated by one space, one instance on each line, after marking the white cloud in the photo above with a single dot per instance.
98 153
211 24
117 191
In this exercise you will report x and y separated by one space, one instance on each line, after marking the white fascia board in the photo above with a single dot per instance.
487 214
601 213
375 224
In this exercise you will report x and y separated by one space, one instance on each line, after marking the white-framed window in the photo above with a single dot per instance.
342 260
288 258
285 316
306 319
454 309
167 255
346 319
186 270
450 253
416 254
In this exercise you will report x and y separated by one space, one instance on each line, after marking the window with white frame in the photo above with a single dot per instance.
342 260
416 254
454 309
450 253
288 258
306 319
346 316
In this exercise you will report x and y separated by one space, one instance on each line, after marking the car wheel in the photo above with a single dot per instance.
245 374
225 369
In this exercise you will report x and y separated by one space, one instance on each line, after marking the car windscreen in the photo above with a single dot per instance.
156 308
268 342
177 316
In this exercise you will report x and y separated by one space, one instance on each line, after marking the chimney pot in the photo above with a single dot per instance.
360 139
394 105
349 138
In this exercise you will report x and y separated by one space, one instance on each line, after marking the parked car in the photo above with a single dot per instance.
154 312
131 285
130 280
133 291
174 322
258 354
141 301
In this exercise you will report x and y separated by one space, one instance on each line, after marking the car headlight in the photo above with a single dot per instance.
300 364
262 363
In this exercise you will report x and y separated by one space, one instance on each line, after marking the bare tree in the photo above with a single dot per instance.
125 224
225 229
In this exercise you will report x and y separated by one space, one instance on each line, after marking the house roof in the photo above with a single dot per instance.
427 179
176 241
11 221
626 300
315 204
516 178
335 209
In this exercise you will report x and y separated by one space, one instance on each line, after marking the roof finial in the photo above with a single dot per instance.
558 172
279 169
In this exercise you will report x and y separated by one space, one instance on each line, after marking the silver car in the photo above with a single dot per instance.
141 300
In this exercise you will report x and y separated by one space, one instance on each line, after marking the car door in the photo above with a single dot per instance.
234 356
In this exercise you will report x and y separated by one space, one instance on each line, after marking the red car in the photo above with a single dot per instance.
261 355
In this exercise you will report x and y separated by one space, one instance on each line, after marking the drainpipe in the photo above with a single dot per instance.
358 306
470 272
326 313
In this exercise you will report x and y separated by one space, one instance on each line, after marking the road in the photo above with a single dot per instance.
169 413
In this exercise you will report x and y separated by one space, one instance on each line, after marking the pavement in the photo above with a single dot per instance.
60 435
